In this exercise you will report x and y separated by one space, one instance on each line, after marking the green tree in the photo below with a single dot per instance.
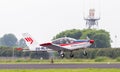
8 40
88 33
74 33
22 43
102 40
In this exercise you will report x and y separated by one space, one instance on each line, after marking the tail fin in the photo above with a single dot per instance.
30 41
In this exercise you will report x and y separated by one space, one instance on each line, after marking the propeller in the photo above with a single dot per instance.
95 44
91 41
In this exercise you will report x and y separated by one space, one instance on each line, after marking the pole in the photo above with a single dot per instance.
13 54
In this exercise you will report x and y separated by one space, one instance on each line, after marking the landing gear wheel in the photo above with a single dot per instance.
71 55
85 53
61 53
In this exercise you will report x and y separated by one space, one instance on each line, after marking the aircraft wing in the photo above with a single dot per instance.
54 47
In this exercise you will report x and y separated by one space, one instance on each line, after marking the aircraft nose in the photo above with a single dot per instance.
91 41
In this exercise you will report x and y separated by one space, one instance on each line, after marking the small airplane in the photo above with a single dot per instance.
61 45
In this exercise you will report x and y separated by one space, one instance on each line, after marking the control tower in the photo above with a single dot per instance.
91 20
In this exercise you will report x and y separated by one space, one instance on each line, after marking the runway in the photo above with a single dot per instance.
57 66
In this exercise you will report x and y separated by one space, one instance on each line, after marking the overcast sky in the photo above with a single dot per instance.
43 19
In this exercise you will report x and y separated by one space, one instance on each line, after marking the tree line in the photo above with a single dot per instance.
92 53
99 52
10 40
13 52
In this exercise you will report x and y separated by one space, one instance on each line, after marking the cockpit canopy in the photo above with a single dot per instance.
64 40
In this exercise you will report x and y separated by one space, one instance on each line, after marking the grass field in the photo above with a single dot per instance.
6 60
56 61
63 70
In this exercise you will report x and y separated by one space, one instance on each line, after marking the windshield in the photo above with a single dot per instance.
65 40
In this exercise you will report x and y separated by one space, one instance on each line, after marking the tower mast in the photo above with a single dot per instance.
91 20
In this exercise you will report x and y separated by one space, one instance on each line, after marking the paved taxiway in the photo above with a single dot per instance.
55 66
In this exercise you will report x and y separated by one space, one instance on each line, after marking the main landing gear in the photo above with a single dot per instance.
84 53
62 55
71 55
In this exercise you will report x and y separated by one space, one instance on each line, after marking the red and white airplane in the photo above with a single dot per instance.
61 45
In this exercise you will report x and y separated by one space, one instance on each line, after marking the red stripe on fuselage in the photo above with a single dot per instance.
71 43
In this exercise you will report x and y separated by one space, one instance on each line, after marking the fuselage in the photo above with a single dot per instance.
72 44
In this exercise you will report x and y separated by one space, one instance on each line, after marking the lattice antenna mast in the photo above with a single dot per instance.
91 20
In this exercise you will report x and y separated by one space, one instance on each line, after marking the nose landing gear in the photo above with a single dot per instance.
71 55
61 53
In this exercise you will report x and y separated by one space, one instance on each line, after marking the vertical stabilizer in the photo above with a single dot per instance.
30 41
